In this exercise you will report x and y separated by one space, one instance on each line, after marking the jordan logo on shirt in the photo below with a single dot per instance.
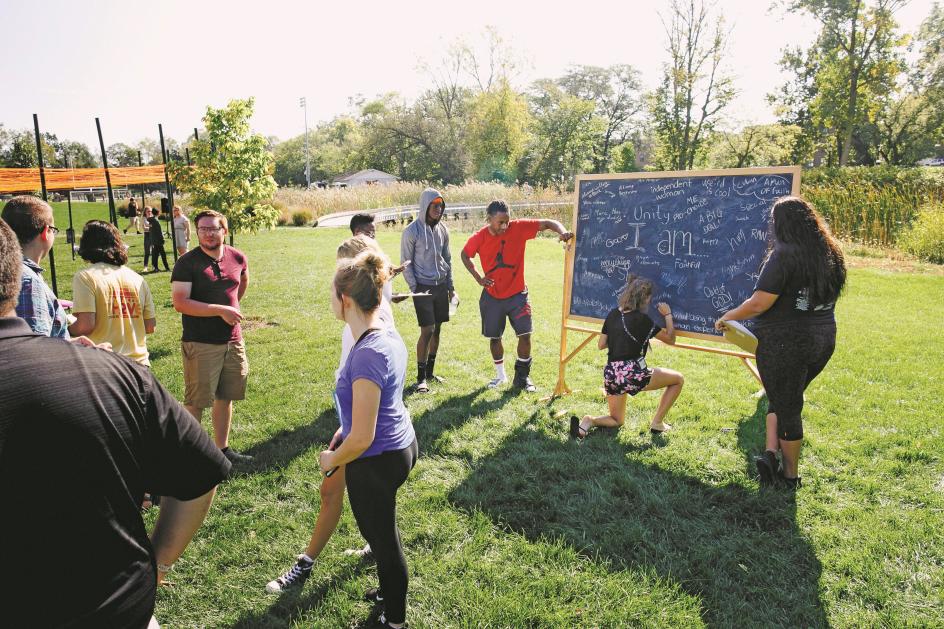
500 261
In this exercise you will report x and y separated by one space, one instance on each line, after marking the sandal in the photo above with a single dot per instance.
422 387
576 430
656 431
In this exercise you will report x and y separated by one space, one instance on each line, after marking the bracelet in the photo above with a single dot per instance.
668 315
163 567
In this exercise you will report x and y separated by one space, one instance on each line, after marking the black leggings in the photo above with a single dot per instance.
158 250
372 484
788 358
147 248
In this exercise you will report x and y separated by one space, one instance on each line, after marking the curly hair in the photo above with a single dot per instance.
636 294
101 242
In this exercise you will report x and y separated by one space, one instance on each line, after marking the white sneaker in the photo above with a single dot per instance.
359 552
494 383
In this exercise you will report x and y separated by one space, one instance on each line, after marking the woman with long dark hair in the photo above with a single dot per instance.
793 305
112 303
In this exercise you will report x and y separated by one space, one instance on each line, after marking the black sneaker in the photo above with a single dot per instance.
766 467
296 575
373 595
382 622
525 384
791 484
235 457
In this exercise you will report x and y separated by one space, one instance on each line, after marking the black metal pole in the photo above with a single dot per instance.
71 233
187 150
170 192
111 196
143 202
42 182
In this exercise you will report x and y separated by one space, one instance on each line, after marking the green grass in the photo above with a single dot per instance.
508 523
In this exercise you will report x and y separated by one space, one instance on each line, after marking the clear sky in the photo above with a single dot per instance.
135 64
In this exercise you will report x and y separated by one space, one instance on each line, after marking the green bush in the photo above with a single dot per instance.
302 218
924 238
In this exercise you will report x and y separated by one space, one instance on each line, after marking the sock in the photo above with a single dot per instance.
430 363
420 371
500 369
522 368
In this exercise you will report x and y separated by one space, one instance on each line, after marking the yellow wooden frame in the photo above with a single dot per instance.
566 317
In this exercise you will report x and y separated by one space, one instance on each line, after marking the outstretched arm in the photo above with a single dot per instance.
557 227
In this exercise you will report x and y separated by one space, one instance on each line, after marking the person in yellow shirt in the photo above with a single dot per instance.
112 303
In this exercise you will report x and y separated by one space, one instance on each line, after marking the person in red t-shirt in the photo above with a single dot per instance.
500 246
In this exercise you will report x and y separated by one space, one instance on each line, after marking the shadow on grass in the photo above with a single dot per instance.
292 604
285 446
739 551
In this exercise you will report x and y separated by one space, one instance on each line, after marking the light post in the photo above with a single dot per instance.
303 103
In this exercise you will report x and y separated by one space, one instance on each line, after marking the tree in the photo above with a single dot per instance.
856 63
498 133
694 90
564 133
231 170
754 145
120 155
615 92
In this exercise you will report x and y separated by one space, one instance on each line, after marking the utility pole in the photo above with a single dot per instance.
303 103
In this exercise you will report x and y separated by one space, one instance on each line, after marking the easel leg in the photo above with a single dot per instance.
753 369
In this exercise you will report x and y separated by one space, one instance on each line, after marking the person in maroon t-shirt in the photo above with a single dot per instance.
500 246
207 285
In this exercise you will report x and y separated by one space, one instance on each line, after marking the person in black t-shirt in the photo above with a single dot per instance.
109 431
626 333
157 240
793 304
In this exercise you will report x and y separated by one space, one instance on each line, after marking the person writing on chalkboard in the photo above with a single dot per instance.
626 333
500 246
793 304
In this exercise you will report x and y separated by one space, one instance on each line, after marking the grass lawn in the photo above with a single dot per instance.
508 523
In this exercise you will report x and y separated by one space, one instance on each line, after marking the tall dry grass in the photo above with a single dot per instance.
328 201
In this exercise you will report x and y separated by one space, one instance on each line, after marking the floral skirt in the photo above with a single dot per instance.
625 376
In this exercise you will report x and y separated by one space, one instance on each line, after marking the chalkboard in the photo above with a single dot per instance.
700 236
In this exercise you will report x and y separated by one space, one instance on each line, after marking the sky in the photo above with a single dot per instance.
135 65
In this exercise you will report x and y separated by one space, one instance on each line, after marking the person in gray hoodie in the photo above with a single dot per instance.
425 244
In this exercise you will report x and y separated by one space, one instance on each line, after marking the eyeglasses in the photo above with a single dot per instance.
209 230
437 206
53 229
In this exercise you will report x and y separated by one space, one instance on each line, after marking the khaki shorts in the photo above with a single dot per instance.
214 371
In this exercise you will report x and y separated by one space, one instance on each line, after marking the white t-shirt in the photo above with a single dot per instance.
385 315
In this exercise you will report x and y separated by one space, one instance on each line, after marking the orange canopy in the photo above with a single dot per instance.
27 179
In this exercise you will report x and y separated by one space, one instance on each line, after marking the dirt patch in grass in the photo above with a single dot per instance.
255 322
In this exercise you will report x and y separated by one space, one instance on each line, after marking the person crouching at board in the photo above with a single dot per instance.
626 333
794 306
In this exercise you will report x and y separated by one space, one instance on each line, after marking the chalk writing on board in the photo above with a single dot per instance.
700 238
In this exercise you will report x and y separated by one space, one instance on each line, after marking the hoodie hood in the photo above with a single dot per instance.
427 246
425 199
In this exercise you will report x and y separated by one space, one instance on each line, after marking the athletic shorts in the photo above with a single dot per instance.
214 372
516 309
434 309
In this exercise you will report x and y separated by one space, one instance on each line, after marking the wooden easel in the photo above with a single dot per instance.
570 322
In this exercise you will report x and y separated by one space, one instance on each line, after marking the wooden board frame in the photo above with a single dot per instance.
566 317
